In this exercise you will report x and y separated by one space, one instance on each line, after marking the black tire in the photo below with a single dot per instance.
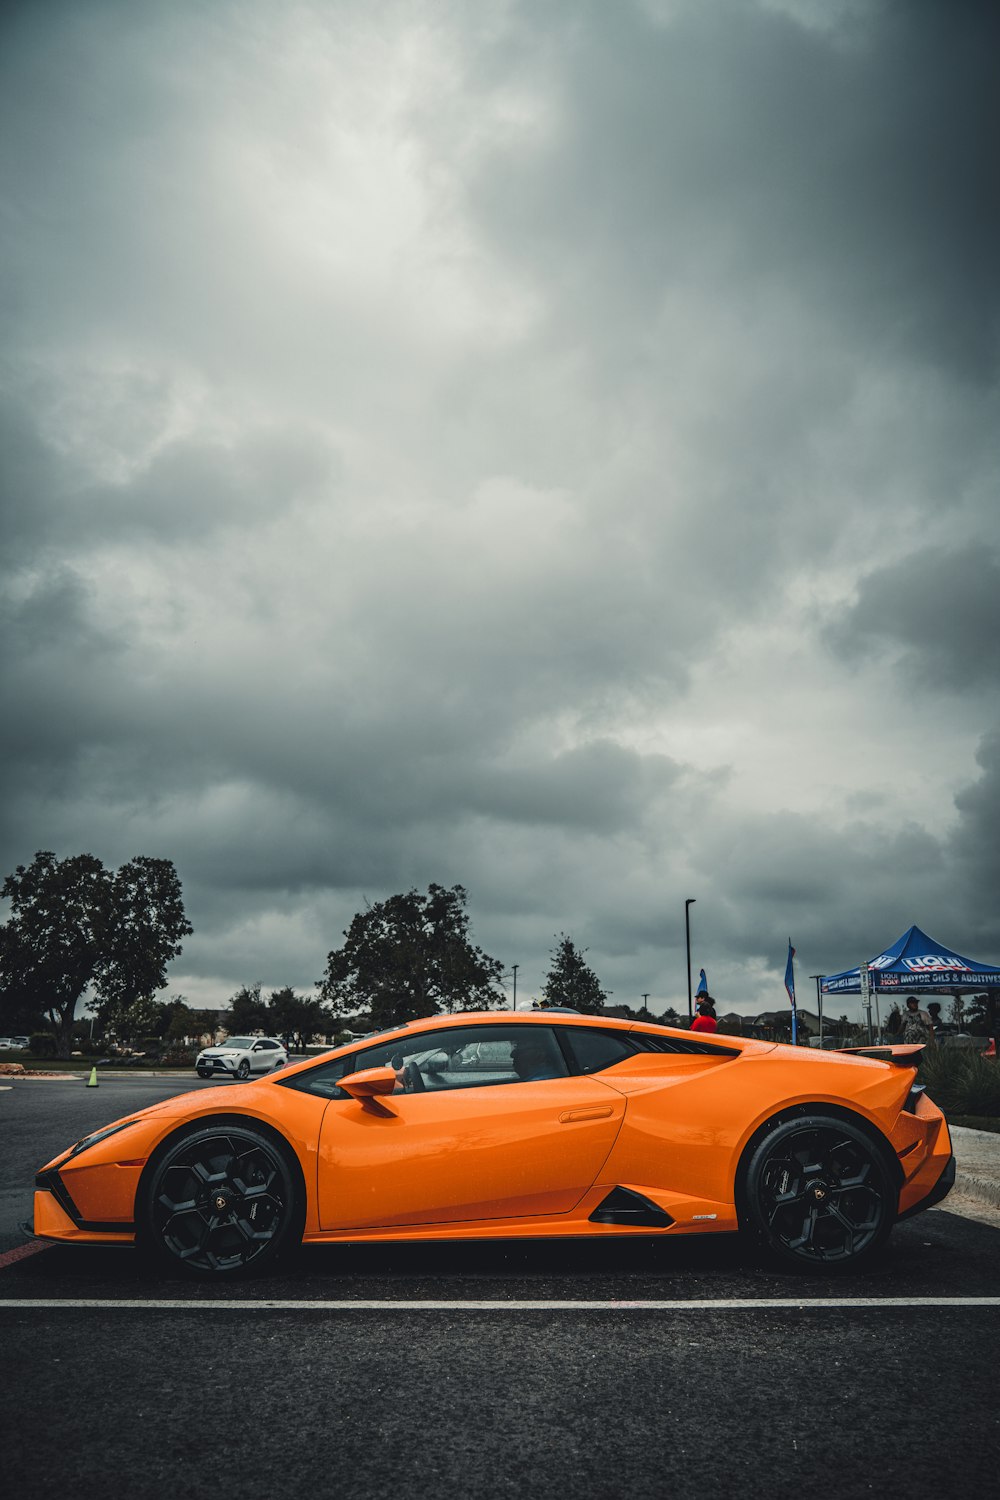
220 1201
819 1192
243 1071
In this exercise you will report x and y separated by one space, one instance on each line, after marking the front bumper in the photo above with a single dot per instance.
214 1067
101 1211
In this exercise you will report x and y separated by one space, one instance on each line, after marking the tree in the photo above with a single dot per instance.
49 948
571 981
75 925
296 1016
129 1022
143 924
411 956
177 1020
626 1013
247 1011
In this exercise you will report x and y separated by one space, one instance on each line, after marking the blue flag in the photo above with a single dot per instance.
790 987
702 985
790 975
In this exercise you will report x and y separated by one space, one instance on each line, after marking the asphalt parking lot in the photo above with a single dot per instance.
646 1368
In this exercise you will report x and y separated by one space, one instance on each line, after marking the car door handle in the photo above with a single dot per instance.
592 1112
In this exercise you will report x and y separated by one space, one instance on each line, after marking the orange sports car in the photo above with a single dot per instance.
491 1125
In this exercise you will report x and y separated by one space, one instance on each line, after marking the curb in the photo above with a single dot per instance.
983 1189
84 1075
977 1178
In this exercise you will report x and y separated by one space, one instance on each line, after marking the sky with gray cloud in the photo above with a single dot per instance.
550 446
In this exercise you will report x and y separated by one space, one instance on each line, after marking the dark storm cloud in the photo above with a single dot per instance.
821 881
938 612
975 843
53 655
33 486
849 164
434 443
595 788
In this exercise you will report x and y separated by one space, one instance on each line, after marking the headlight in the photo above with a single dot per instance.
98 1135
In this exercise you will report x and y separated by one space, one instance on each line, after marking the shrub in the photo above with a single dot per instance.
980 1094
43 1044
177 1057
961 1083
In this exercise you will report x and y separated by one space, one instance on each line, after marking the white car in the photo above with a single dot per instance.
239 1056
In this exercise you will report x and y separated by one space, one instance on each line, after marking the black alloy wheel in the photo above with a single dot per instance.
820 1192
220 1202
243 1071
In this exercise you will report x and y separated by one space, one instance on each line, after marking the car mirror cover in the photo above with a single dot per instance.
368 1082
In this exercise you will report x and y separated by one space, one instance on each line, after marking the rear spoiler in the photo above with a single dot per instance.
904 1055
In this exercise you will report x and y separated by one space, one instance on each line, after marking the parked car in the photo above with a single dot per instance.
515 1126
239 1056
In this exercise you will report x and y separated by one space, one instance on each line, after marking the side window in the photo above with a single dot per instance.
324 1079
461 1058
594 1049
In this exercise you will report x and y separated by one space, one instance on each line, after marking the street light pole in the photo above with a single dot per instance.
514 968
645 1001
687 937
819 1006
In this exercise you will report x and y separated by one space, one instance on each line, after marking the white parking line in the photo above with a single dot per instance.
719 1304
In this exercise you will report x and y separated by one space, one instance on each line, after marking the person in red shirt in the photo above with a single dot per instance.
705 1019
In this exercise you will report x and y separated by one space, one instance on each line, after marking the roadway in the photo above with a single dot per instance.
641 1368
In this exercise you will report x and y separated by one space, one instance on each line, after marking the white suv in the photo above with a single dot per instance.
239 1056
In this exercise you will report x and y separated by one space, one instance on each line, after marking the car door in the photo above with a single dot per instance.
260 1058
476 1142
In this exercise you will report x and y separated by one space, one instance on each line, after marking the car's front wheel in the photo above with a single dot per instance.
220 1201
243 1071
820 1192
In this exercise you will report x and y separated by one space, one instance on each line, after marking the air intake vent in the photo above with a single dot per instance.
622 1206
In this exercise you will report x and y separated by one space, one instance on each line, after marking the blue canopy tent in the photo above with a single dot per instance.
917 964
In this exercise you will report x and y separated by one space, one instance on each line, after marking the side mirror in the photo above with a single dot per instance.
369 1082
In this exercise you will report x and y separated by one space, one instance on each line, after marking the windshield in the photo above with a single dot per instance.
238 1041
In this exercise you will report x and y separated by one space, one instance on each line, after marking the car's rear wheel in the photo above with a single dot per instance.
820 1192
221 1201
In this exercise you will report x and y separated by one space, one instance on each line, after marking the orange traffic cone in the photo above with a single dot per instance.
92 1082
